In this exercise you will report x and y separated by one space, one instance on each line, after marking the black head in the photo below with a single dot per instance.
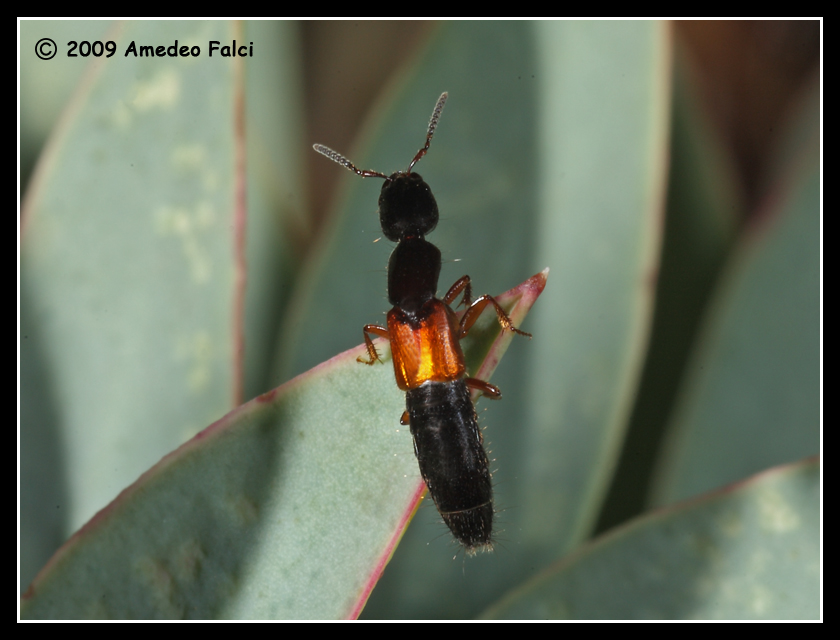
407 208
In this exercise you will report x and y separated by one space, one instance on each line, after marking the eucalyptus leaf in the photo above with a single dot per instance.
133 304
288 507
751 551
751 396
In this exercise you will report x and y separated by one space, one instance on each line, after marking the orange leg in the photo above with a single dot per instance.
375 329
461 284
487 390
475 310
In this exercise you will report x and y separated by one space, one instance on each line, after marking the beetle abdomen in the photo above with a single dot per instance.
452 460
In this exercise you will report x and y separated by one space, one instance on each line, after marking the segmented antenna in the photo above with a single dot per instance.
335 156
432 126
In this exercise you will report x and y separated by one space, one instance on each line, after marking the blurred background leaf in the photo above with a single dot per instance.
253 518
585 147
751 395
128 275
749 551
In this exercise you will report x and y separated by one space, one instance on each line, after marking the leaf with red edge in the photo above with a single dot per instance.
288 507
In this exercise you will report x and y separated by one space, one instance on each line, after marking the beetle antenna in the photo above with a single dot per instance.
335 156
432 126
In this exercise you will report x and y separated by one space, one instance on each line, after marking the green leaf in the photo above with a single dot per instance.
276 189
132 268
751 551
288 507
704 209
751 397
264 514
127 263
46 85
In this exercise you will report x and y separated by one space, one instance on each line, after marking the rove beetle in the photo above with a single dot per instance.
429 366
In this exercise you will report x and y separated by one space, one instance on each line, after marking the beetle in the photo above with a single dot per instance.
425 334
